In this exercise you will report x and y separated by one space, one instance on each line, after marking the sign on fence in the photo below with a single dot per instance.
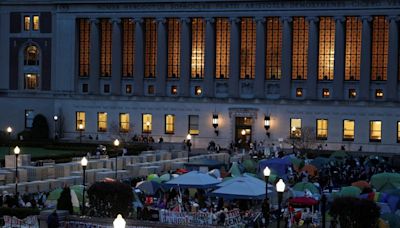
185 218
233 218
28 222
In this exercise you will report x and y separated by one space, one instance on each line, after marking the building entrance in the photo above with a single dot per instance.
243 131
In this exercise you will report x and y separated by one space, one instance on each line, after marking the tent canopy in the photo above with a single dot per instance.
241 189
193 179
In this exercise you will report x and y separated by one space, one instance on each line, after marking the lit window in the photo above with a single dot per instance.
105 47
36 23
353 48
322 129
31 81
398 131
80 120
150 89
352 93
124 122
128 47
348 130
102 121
325 93
150 47
174 90
380 45
299 92
295 128
326 48
174 47
274 48
222 47
379 93
169 124
27 23
31 56
198 46
375 131
299 48
84 46
128 89
197 90
29 115
194 125
147 123
247 48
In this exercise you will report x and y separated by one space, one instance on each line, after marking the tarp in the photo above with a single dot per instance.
241 189
193 179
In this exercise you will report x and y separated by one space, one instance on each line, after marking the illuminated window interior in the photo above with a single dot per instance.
348 130
31 56
80 119
194 125
299 92
31 81
325 93
169 124
273 48
27 23
353 48
247 48
295 128
150 49
223 43
398 131
352 93
375 130
105 47
128 47
174 90
322 129
174 47
147 124
198 47
84 47
124 122
36 23
128 89
326 48
379 93
380 45
299 48
197 90
102 121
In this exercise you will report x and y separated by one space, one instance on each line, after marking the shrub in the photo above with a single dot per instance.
20 213
25 135
109 198
40 128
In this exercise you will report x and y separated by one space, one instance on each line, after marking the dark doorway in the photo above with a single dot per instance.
243 131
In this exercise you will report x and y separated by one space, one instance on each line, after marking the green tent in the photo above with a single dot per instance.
351 191
385 181
302 186
235 170
249 166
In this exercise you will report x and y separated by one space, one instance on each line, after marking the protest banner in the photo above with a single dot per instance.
28 222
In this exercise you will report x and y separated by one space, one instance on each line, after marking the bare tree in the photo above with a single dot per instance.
303 139
125 135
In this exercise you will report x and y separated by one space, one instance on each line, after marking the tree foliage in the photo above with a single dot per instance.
355 213
109 198
304 139
40 127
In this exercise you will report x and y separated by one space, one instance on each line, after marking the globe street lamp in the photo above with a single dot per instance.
16 152
55 127
84 163
119 222
116 144
280 188
267 173
9 130
189 145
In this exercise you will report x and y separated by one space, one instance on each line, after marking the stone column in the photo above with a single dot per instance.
209 58
186 47
340 47
286 78
365 71
116 57
162 54
139 57
259 82
393 59
94 69
234 58
312 63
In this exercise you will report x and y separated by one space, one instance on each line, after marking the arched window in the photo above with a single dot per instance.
31 55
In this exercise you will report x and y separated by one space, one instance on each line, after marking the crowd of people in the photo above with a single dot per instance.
26 200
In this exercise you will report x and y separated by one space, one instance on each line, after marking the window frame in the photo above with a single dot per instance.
343 130
291 132
196 129
167 124
100 122
322 129
80 120
122 123
28 118
371 131
150 126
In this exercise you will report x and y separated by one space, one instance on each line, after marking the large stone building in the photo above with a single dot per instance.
166 68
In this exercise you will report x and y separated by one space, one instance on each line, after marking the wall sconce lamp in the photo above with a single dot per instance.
215 123
267 125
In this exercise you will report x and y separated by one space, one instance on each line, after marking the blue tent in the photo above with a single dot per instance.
193 179
244 177
241 189
276 165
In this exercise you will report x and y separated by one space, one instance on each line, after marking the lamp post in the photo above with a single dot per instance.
84 163
267 173
9 130
80 126
119 222
189 145
55 117
16 152
280 188
215 123
267 125
116 144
